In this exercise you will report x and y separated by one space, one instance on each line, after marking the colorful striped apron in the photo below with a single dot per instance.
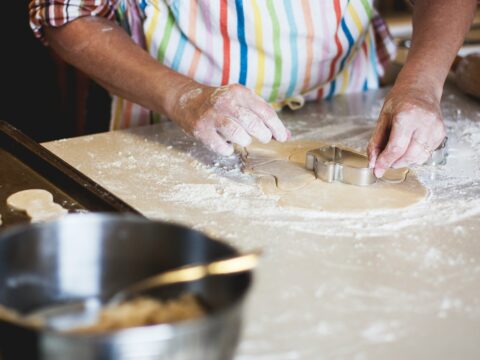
287 51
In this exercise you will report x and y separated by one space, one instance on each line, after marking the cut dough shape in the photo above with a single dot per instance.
288 178
37 203
281 171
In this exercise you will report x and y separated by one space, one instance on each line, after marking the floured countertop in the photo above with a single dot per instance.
397 284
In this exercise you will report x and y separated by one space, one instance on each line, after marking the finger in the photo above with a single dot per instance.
267 114
289 134
415 154
436 136
398 142
238 105
420 149
377 141
234 133
373 150
424 142
215 142
253 125
279 131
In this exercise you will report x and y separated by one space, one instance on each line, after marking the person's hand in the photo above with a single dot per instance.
221 117
409 129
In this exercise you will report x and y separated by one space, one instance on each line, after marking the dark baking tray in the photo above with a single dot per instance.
25 164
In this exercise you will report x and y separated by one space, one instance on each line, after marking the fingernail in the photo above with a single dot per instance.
379 172
246 141
289 134
229 151
282 137
223 150
265 137
267 140
241 138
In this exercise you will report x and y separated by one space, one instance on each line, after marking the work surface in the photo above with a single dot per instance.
400 284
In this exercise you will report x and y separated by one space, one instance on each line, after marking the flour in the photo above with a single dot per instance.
432 257
449 305
380 332
453 190
343 285
185 98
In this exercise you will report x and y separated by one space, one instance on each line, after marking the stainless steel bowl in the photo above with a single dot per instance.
85 256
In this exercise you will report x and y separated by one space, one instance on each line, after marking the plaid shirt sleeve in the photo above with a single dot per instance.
385 45
56 13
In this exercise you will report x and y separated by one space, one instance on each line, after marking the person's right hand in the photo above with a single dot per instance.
221 117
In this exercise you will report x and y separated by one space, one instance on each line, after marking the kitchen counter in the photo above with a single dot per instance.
397 284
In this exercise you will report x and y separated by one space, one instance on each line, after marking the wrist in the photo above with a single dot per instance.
419 78
168 89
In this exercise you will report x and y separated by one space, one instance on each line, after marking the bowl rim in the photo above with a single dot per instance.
164 330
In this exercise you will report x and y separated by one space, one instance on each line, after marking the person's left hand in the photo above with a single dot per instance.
409 129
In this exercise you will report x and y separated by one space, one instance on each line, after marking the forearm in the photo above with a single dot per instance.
410 125
104 51
439 27
219 117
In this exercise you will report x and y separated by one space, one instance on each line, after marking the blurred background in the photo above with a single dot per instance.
59 101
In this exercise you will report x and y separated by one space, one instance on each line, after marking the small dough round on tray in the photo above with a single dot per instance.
26 199
37 203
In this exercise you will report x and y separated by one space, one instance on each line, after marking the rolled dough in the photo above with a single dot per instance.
280 171
37 203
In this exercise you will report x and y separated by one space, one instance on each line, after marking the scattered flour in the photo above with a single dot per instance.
185 98
379 332
329 283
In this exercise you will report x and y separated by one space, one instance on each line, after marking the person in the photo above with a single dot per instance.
220 68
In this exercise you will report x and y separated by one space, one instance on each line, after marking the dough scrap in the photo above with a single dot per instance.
289 178
280 171
37 203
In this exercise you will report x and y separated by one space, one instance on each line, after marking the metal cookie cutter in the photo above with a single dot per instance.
331 163
439 156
